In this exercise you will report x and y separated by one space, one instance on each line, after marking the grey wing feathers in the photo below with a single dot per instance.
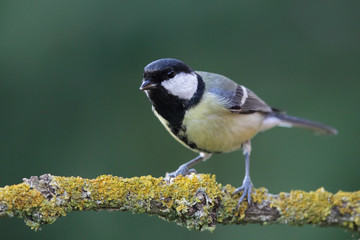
253 103
239 99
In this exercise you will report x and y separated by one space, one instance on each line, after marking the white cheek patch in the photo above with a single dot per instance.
183 85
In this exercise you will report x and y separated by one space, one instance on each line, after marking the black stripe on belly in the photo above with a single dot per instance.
173 109
182 136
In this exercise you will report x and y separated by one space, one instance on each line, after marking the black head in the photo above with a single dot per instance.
172 87
167 64
161 70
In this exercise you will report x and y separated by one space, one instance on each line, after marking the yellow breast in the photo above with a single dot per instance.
215 129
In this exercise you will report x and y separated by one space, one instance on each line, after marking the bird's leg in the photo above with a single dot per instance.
247 184
186 169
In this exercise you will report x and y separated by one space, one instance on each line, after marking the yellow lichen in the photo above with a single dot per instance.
198 199
107 189
21 196
314 207
347 202
300 206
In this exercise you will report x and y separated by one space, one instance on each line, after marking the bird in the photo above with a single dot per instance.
210 113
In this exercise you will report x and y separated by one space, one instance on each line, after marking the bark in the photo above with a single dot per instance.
196 201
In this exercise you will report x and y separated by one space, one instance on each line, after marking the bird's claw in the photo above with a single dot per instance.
247 189
182 170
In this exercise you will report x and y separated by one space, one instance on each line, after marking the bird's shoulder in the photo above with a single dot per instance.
236 98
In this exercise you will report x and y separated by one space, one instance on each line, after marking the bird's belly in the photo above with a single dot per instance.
220 131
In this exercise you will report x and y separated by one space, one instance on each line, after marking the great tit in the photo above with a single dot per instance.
209 113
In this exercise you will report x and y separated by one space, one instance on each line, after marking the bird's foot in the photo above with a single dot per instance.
246 188
182 170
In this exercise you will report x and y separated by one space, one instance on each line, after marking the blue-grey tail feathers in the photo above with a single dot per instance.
316 127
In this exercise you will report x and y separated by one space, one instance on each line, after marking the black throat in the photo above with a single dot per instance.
171 107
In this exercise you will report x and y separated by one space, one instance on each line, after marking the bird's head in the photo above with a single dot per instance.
170 76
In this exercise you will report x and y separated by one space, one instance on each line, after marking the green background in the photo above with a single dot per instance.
70 104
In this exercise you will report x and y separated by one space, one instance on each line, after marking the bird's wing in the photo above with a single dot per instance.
249 102
237 98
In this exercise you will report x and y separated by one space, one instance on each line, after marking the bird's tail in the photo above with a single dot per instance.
285 120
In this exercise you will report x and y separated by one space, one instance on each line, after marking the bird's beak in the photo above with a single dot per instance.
147 85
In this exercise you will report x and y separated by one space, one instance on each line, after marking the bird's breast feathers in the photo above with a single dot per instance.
213 128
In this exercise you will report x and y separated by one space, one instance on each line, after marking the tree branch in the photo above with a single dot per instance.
196 201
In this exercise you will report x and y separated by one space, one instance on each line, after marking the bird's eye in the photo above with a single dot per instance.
171 74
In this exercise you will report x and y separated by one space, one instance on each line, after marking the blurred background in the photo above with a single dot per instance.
70 104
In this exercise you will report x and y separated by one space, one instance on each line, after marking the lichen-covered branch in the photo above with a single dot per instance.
196 201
